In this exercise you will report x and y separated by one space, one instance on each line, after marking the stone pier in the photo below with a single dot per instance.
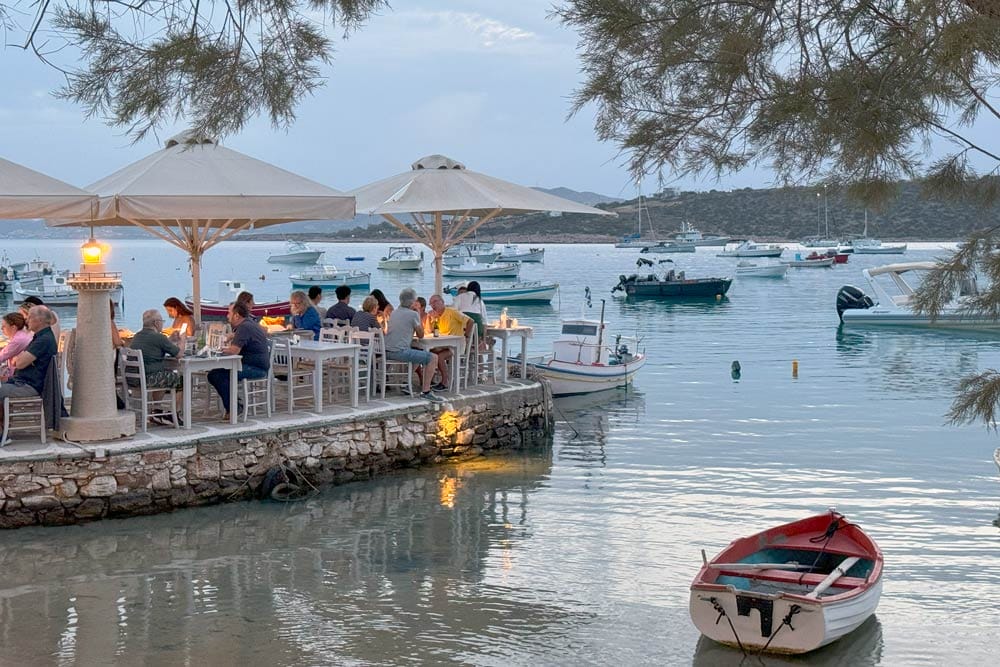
64 484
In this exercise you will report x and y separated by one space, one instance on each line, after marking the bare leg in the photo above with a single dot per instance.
425 380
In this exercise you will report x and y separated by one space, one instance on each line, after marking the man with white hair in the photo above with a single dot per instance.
155 347
404 323
32 364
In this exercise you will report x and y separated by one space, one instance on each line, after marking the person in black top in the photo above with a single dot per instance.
249 341
33 363
316 295
341 310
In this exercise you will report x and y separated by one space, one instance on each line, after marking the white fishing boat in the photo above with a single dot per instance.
512 253
635 240
688 234
484 254
790 589
749 248
892 295
584 361
869 246
401 258
470 268
534 291
751 270
296 252
665 247
54 290
328 276
30 274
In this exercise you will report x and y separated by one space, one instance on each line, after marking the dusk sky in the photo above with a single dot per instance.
485 83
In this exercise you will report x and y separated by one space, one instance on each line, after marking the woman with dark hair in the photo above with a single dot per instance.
384 307
182 315
15 328
470 302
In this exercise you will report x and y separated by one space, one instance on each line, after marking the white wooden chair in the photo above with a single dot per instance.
22 414
140 398
296 382
470 361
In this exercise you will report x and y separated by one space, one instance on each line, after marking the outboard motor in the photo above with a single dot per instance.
851 298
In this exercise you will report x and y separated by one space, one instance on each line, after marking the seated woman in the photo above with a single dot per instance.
155 347
304 314
366 318
384 307
181 315
470 303
15 328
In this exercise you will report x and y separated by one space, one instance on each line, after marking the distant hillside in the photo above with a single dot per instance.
588 198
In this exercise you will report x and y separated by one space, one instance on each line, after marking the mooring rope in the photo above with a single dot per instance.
722 614
787 620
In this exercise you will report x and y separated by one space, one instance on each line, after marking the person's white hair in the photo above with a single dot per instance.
44 313
151 317
407 297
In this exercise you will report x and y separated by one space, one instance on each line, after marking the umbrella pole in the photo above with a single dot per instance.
196 288
438 270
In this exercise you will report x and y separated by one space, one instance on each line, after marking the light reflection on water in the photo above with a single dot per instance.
577 553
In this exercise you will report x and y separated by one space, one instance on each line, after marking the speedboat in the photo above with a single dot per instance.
296 252
584 361
470 268
328 276
866 246
511 253
534 291
218 309
789 589
401 258
891 296
30 274
54 290
749 248
673 285
457 256
751 270
664 247
689 234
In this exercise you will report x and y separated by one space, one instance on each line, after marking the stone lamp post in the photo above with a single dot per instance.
94 415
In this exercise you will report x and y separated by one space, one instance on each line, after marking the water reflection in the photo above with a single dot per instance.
584 422
361 573
861 648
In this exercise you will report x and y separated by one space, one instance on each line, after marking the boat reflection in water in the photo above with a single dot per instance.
584 421
861 648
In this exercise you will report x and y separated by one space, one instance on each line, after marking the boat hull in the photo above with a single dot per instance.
331 281
700 288
770 271
494 271
824 263
877 316
762 252
880 250
310 257
516 293
57 297
668 248
400 264
211 310
568 379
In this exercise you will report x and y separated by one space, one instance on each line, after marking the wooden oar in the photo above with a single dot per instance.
831 578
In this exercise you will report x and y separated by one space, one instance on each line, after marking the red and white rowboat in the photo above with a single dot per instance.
789 589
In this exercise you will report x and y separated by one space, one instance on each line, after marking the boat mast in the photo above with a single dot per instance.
600 332
826 212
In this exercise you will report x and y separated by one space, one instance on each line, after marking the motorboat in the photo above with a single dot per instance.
534 291
688 234
866 246
584 361
354 258
789 589
892 294
751 270
512 253
814 260
401 258
296 252
819 242
470 268
673 285
30 274
457 255
749 248
665 247
54 290
327 276
228 290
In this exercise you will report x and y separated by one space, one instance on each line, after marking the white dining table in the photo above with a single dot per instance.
319 352
456 344
506 333
232 362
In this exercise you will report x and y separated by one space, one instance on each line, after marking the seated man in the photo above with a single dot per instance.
155 346
341 310
404 324
449 322
315 295
250 341
32 363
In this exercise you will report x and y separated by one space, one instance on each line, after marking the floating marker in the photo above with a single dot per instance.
735 370
795 368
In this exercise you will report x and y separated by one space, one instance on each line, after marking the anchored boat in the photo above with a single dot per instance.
673 285
296 252
511 253
750 248
329 277
789 589
401 258
534 291
228 291
470 268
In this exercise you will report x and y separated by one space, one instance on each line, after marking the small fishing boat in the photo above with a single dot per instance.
534 291
511 253
296 252
218 309
401 258
750 248
812 261
582 361
664 247
470 268
751 270
328 276
876 247
789 589
54 290
673 285
457 257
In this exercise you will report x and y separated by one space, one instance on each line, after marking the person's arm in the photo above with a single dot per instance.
169 348
116 338
23 360
237 342
418 327
469 323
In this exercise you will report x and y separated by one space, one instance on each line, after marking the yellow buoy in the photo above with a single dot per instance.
795 368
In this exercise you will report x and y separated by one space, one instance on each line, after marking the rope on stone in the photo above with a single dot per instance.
722 614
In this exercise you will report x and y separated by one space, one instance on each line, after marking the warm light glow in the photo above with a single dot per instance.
448 424
449 489
92 252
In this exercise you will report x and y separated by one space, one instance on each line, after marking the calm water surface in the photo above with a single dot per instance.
575 553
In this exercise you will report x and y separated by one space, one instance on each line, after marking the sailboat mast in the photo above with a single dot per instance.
600 332
826 212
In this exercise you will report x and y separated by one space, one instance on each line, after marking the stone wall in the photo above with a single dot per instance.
145 479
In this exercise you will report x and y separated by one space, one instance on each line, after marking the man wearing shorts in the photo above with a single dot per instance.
404 323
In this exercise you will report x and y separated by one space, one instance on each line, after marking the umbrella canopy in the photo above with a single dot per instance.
195 193
447 203
26 193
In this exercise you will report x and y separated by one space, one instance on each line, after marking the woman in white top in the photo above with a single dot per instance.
471 303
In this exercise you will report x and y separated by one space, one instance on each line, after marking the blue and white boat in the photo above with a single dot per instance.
534 291
329 277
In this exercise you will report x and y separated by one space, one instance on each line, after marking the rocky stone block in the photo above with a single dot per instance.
134 502
40 502
90 508
101 486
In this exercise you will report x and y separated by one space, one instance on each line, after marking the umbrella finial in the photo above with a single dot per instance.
436 162
190 137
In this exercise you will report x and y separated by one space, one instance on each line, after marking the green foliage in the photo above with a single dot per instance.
213 65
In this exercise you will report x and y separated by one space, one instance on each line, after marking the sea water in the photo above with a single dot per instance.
580 552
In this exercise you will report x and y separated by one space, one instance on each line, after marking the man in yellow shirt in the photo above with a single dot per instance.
448 322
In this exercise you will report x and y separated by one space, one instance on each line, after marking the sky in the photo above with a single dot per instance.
486 83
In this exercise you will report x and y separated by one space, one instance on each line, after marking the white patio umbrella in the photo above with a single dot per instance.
195 194
447 202
26 193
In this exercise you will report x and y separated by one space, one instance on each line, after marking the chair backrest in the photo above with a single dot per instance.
366 340
336 334
133 368
327 322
